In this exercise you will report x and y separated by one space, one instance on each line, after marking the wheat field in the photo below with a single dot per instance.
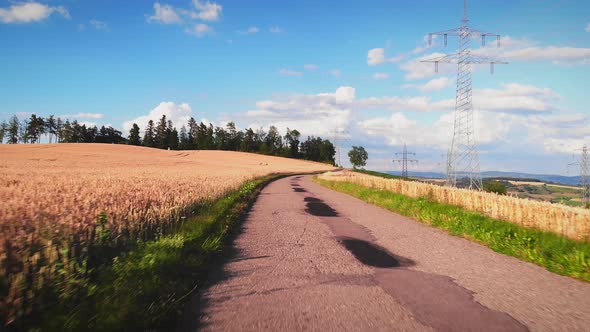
51 197
568 221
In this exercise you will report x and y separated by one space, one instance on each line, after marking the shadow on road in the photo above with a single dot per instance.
318 208
371 254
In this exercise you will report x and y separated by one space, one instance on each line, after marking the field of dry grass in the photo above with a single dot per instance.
51 196
571 222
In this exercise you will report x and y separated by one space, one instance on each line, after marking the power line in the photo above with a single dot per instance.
404 161
463 157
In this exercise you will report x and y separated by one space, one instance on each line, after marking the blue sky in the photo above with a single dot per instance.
311 65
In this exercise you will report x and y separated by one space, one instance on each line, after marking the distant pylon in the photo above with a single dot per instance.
339 135
463 158
404 160
584 163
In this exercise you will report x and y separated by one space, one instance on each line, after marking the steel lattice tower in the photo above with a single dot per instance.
584 163
404 160
463 158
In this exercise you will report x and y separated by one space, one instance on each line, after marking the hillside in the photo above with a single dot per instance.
550 178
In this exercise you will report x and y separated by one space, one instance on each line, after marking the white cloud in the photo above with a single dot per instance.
310 114
435 84
179 114
200 30
84 116
88 124
207 11
165 14
380 76
276 29
514 49
336 72
99 25
249 31
310 66
376 56
26 12
289 72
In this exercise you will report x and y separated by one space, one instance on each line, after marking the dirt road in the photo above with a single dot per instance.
309 258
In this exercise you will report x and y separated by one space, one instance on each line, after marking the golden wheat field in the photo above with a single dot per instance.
568 221
51 196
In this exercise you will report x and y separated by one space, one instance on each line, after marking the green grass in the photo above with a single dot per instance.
556 253
147 288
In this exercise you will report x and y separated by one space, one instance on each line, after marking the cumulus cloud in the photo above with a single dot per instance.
317 114
436 84
200 30
515 49
419 70
290 72
206 10
26 12
165 14
179 114
376 56
380 76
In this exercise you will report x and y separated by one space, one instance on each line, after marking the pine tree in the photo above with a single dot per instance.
51 128
3 130
161 135
148 137
134 138
13 130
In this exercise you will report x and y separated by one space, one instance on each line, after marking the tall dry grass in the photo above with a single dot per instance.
568 221
65 209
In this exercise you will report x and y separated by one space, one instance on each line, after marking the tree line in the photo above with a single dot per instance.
163 135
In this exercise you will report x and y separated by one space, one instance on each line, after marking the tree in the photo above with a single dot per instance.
148 137
358 156
495 187
13 130
161 135
317 149
58 130
185 141
3 130
273 140
292 143
134 138
51 128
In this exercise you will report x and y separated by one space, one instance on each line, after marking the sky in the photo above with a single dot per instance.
321 67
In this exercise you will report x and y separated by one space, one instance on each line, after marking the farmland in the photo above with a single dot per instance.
69 208
570 222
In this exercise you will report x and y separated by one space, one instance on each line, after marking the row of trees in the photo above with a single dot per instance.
163 135
31 130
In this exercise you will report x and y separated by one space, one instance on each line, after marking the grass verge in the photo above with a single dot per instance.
147 288
556 253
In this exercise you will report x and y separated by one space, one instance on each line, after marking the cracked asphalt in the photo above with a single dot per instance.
309 258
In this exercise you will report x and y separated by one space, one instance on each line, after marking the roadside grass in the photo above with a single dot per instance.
556 253
146 289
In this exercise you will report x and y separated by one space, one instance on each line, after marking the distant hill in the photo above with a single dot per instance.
569 180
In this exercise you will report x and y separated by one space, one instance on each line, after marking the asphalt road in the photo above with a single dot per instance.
309 258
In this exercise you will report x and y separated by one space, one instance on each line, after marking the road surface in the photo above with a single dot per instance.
309 258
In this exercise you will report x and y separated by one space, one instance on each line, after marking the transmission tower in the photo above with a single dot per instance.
339 137
584 163
463 158
404 161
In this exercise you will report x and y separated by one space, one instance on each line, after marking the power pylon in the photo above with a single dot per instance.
584 163
339 137
463 158
404 160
